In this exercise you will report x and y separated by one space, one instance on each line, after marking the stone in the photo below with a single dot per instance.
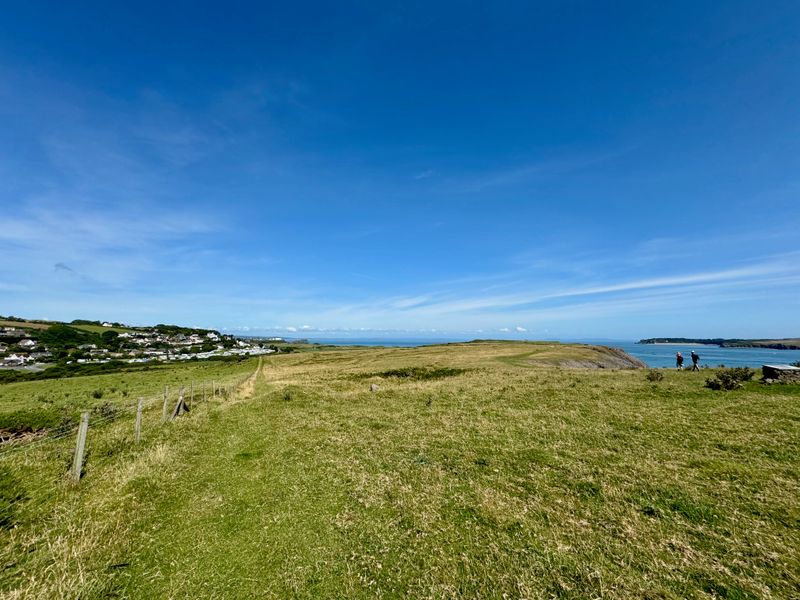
783 373
373 387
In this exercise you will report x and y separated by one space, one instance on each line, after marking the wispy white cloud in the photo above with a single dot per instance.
452 308
531 170
103 244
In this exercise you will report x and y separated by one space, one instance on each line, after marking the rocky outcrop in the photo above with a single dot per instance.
605 358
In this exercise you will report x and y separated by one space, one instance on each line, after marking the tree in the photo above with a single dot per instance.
110 339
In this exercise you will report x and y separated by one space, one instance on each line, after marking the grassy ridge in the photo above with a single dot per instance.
502 478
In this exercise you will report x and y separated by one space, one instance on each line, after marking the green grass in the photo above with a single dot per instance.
507 479
23 324
100 328
46 325
33 405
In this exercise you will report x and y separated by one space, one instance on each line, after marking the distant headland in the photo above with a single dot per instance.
781 344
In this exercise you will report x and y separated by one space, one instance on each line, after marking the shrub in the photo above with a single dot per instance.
97 394
730 379
35 419
107 411
653 375
417 373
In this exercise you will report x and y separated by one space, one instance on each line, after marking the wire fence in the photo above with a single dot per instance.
34 471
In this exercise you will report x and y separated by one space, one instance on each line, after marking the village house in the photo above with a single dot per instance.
16 360
27 343
13 332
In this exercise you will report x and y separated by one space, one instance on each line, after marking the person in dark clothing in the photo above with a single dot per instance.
679 361
695 360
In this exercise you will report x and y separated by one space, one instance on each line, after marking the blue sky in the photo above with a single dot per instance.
532 170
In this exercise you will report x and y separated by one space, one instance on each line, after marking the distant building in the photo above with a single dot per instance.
16 359
13 332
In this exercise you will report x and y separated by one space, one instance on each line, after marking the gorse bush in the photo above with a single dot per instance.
421 373
654 376
730 379
742 373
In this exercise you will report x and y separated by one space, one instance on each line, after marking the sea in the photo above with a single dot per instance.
653 355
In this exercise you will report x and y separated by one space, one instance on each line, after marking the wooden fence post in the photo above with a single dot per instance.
164 414
137 428
180 407
80 447
191 394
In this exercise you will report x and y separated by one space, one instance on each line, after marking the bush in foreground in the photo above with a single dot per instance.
654 376
730 379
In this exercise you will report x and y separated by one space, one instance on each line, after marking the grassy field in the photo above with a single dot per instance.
475 470
23 324
101 329
36 404
46 325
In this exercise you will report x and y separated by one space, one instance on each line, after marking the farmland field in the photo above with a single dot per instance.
473 470
43 402
23 324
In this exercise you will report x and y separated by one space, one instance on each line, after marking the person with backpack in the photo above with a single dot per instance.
695 360
679 361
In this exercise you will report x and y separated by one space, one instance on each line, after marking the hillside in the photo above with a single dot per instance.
48 349
472 470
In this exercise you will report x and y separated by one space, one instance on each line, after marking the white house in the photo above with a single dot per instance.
17 359
27 343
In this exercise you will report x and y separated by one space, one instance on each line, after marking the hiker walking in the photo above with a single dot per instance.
695 360
679 361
